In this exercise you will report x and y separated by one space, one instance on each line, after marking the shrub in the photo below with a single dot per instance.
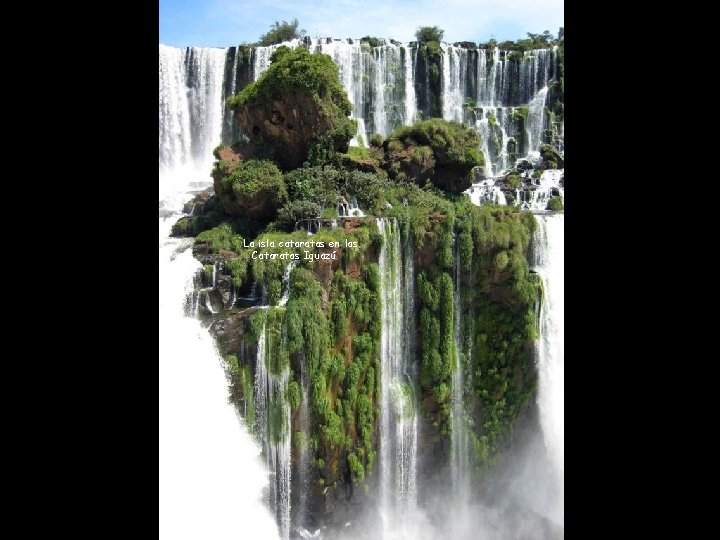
295 211
281 31
429 33
376 140
253 188
221 238
298 70
512 181
453 145
555 204
372 41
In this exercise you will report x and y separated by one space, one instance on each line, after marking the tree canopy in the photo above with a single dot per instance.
429 33
281 31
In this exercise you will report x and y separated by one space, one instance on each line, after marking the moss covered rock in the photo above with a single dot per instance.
437 150
295 102
253 189
555 204
551 158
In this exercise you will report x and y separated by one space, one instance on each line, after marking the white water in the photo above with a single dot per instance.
398 421
549 263
270 401
378 81
286 283
210 475
453 87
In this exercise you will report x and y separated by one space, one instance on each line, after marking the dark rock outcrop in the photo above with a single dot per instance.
287 126
551 157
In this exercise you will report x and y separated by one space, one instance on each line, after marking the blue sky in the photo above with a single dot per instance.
223 23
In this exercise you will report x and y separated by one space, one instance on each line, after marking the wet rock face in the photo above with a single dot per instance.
201 203
550 156
286 126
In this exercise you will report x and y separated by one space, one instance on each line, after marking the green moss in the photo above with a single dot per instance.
294 395
216 150
371 41
376 140
220 238
208 270
298 70
252 188
242 387
513 181
555 204
183 227
454 147
520 114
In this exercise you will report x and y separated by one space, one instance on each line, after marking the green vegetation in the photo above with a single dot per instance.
241 388
298 71
555 204
219 239
512 181
296 211
453 146
533 41
253 189
372 41
429 33
281 31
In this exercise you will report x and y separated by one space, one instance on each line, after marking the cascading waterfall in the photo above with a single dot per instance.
535 122
286 283
273 426
304 459
205 453
454 79
398 421
483 88
190 106
549 254
380 82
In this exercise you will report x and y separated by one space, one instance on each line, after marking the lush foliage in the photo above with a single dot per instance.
429 33
555 204
453 147
252 188
298 70
281 31
221 238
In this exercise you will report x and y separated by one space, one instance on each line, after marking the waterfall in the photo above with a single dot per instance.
286 283
190 105
453 87
536 122
460 461
304 458
398 419
410 99
380 82
273 424
205 451
549 254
